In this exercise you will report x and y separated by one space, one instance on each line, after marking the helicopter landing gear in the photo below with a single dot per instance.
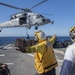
36 27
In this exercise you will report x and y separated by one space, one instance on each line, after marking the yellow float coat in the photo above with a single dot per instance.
44 56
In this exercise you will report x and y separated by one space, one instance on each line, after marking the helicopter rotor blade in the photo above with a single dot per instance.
11 6
48 14
26 10
38 4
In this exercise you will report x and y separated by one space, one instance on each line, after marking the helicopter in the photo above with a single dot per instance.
26 18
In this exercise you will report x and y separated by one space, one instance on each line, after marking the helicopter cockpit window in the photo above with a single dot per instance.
13 17
41 16
38 16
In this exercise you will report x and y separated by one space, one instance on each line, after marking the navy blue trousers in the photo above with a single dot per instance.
51 72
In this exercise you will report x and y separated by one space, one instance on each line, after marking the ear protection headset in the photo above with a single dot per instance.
39 35
35 35
36 38
72 32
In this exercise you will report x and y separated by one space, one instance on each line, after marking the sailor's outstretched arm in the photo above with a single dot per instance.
36 48
31 49
52 40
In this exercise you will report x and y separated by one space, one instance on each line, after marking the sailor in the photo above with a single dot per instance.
45 61
68 67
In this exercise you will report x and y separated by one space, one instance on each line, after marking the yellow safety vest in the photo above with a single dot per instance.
44 57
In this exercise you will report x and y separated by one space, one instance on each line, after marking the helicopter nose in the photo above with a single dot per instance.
44 20
48 20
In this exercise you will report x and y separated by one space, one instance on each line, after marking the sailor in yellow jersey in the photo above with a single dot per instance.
45 61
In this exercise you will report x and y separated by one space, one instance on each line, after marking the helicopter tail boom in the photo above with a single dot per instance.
10 23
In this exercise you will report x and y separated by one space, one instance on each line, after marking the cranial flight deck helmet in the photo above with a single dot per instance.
39 36
72 32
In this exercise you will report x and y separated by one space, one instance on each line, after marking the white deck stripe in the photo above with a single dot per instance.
8 63
31 55
7 46
2 55
60 60
56 51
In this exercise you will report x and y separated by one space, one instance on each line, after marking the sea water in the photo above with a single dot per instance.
9 40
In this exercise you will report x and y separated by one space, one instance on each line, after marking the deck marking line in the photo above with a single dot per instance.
8 63
60 60
2 55
56 51
31 55
7 46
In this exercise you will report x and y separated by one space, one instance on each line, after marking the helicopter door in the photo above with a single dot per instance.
23 20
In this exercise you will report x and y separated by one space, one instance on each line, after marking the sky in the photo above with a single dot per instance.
63 16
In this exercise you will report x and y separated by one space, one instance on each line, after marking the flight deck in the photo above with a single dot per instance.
23 63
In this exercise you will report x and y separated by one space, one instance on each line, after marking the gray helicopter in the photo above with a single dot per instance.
27 18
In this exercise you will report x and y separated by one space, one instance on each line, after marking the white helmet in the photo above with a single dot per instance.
40 35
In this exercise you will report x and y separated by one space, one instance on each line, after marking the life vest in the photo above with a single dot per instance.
44 58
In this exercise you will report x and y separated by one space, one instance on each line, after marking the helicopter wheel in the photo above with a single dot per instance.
36 27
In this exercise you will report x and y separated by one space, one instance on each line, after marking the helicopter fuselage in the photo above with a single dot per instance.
25 20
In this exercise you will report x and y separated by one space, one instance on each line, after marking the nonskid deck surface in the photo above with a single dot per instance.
23 63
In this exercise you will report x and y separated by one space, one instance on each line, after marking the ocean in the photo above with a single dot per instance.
63 38
8 40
